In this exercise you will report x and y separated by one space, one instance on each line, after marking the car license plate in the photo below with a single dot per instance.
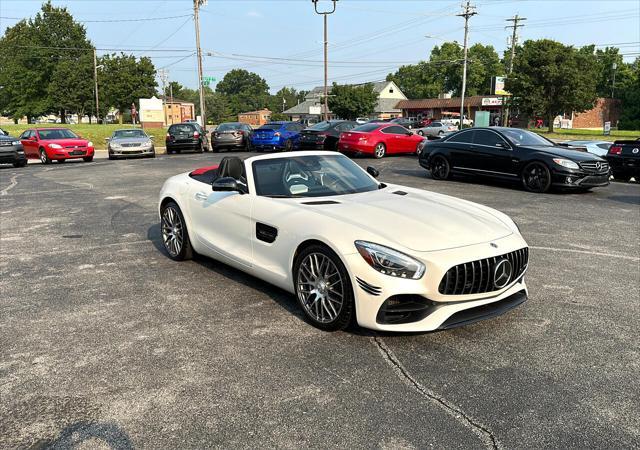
77 152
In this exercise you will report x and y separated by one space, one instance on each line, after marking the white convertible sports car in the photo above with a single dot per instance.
351 248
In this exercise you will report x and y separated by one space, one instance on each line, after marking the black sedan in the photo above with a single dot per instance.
231 135
324 135
11 151
186 136
624 158
513 154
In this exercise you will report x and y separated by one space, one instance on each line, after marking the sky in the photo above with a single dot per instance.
282 40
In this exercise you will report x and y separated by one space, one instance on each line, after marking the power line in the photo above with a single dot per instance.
141 19
168 37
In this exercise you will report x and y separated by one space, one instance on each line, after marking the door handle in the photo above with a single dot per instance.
201 196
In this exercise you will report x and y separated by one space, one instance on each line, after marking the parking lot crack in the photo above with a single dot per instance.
485 435
13 182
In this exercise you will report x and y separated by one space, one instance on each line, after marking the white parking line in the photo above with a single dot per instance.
586 252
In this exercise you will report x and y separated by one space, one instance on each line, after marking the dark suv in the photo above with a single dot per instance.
11 151
186 136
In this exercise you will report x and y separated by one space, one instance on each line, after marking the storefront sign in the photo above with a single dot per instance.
492 101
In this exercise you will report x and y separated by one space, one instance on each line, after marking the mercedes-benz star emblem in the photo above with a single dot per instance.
598 166
635 150
502 273
494 245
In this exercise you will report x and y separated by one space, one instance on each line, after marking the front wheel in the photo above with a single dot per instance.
175 237
536 177
44 157
440 168
323 288
379 151
20 163
288 145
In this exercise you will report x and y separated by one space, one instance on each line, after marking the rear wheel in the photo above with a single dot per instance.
440 168
175 237
323 288
536 177
380 150
44 157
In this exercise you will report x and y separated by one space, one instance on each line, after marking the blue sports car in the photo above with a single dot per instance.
277 136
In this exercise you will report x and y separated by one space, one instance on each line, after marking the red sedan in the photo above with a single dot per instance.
379 139
55 144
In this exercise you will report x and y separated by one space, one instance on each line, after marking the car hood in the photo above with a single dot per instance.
131 140
564 152
418 220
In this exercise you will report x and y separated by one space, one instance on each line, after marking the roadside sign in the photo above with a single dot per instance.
607 128
208 80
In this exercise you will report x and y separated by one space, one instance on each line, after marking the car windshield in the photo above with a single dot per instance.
310 176
271 126
321 126
523 137
124 134
228 126
367 127
61 133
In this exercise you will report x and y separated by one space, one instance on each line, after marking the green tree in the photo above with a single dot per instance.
628 91
30 51
420 80
72 85
550 78
244 90
123 80
352 101
290 97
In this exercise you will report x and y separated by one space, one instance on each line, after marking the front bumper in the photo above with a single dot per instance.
433 310
12 154
579 179
80 152
126 152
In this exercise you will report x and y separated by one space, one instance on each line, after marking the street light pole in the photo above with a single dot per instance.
613 85
326 64
468 12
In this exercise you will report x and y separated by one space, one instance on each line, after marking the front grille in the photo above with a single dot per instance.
6 143
74 146
131 144
477 277
595 167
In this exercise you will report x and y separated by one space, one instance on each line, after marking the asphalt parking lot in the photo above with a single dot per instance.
106 342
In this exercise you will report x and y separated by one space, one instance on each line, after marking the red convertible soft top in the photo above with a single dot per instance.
202 170
205 174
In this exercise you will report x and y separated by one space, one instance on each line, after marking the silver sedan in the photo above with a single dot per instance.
436 129
130 142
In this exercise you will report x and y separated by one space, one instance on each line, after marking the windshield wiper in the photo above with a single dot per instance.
284 196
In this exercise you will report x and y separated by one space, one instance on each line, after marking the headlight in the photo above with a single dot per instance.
148 143
115 145
55 146
390 262
90 144
15 143
566 163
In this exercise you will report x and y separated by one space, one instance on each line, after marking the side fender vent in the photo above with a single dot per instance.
399 192
368 288
321 202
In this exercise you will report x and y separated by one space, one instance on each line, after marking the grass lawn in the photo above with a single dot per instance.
586 135
95 133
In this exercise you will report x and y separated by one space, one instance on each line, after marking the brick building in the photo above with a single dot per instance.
177 111
604 110
255 118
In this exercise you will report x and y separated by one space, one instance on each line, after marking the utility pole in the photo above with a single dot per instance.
171 101
196 19
468 11
95 80
514 42
163 79
614 66
326 63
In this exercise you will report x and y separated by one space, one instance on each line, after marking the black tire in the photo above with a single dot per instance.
62 161
247 146
87 158
153 155
288 145
536 177
44 157
379 151
420 133
206 147
111 157
200 148
440 168
440 133
621 176
172 224
346 313
21 163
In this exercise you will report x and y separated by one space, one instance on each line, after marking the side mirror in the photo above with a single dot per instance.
375 173
501 145
33 138
107 139
225 184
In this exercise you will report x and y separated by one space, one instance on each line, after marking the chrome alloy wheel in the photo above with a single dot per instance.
172 231
320 287
379 151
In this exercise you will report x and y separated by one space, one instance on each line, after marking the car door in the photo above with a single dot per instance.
461 152
221 221
29 143
393 138
494 155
